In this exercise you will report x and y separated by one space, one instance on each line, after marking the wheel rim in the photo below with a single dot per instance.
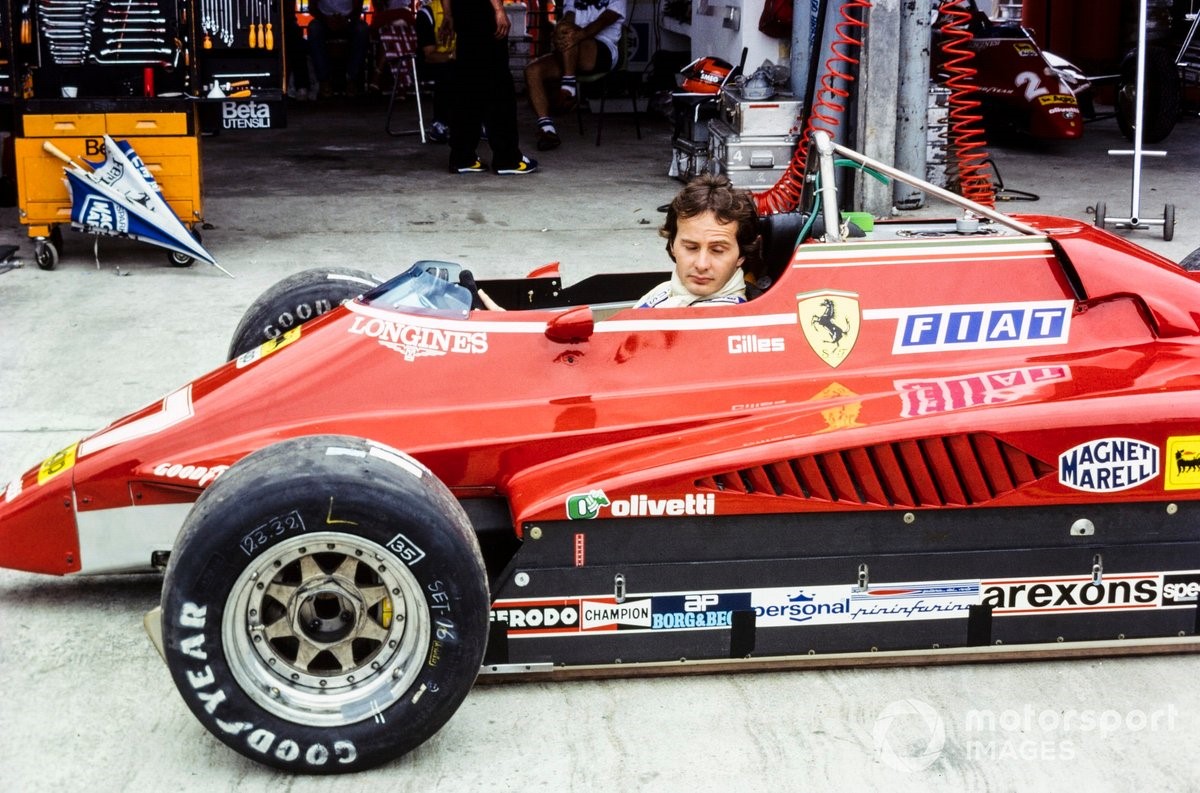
326 629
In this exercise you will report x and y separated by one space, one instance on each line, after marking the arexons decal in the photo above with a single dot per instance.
1071 594
978 326
414 341
1182 466
587 506
943 394
1108 465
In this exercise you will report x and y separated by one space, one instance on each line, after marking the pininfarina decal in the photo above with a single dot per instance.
416 341
943 394
830 320
587 506
844 603
1108 465
977 326
1182 463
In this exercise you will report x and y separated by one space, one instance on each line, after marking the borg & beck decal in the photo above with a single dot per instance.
1108 465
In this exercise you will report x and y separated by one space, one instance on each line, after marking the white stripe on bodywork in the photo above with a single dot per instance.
176 407
606 326
122 540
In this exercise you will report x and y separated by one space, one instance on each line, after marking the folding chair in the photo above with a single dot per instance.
399 41
620 79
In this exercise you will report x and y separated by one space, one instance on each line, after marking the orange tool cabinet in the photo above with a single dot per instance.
167 140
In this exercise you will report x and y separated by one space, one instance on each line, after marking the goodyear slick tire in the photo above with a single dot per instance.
1164 95
325 607
295 300
1191 262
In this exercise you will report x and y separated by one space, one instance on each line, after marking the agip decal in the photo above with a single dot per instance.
57 463
1108 465
1182 463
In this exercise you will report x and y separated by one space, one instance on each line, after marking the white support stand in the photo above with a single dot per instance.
1135 221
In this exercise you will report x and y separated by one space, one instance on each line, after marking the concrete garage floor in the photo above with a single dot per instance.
86 703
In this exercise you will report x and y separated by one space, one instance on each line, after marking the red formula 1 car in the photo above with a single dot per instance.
959 439
1021 88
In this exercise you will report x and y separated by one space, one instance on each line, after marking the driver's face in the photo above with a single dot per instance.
706 253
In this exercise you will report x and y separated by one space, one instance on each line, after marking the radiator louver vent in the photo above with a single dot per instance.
956 470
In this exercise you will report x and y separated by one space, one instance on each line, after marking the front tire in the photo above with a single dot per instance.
1161 107
295 300
325 607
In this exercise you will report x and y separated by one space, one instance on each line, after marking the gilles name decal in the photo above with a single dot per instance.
1108 465
740 345
978 326
414 341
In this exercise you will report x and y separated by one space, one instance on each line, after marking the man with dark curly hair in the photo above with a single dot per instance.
712 236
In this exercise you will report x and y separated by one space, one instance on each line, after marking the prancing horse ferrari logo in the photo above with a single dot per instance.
830 320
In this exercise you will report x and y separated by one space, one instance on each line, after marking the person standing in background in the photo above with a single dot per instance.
436 62
333 19
483 91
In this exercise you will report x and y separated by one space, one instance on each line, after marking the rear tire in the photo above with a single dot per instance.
1163 98
325 608
295 300
1191 262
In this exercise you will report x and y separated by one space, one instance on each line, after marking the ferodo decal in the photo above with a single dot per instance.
943 394
978 326
537 617
587 506
1077 594
1108 465
1182 463
268 347
57 463
830 320
212 697
414 341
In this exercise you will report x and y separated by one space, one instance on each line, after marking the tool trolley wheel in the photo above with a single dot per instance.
1101 211
177 259
45 253
1169 222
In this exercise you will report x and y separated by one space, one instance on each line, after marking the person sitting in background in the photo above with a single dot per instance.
435 62
335 19
712 236
585 42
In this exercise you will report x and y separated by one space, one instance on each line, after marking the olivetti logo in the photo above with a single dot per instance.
586 506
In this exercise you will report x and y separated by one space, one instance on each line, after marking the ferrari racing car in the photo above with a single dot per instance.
941 440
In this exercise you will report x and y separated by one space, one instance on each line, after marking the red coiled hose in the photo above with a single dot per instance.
829 103
968 156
